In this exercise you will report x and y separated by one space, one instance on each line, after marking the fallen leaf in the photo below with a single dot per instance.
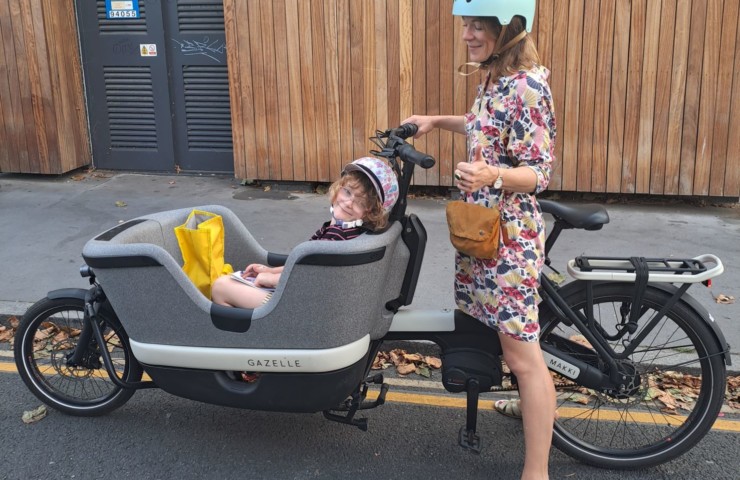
581 340
724 299
121 203
32 416
651 394
267 188
178 169
668 401
433 362
77 178
13 321
61 337
424 371
405 369
41 335
556 278
412 357
395 357
6 335
582 399
172 182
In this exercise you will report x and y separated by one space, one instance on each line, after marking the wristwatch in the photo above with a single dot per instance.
499 182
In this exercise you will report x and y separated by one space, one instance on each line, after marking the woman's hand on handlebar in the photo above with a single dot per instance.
427 123
424 122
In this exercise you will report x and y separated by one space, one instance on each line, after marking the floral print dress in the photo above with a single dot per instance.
513 119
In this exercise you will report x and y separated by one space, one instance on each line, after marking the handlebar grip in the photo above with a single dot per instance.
405 131
409 154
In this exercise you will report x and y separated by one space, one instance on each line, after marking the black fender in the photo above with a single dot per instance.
670 289
80 293
67 293
699 309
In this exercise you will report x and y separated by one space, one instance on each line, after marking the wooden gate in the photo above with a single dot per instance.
43 128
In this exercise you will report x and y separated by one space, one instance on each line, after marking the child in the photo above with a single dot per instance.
361 201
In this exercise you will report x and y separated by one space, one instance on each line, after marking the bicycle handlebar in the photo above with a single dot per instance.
408 153
396 146
393 146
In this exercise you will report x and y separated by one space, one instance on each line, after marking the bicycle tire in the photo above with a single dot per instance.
47 333
609 432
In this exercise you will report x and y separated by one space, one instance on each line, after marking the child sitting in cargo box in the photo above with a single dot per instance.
361 201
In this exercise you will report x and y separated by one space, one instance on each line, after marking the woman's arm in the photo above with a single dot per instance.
476 175
427 123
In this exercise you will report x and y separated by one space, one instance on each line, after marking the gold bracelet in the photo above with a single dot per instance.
499 182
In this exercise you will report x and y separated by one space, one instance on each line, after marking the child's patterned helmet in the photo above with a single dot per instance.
382 177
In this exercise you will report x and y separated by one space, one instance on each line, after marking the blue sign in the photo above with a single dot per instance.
116 9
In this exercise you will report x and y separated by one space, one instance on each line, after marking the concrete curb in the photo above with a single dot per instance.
12 309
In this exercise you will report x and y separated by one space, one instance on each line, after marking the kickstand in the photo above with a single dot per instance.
357 402
467 437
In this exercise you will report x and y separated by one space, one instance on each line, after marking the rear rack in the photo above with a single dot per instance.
660 270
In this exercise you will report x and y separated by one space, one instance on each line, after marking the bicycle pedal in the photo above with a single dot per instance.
469 440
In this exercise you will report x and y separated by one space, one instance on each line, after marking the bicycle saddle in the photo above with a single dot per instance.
589 217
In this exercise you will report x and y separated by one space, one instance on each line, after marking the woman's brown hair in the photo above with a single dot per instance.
522 56
375 217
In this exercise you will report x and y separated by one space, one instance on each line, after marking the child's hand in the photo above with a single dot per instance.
267 280
252 270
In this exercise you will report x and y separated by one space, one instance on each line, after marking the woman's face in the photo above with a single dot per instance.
350 203
480 40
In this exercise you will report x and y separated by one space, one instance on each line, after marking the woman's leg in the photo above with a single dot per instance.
537 394
229 292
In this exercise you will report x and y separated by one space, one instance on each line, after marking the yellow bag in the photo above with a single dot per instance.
475 230
201 240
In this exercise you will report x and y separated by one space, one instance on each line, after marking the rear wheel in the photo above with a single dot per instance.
48 334
677 376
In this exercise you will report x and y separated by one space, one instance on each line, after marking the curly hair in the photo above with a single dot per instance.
375 217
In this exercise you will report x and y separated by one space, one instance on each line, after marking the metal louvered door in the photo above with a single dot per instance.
196 50
164 108
127 88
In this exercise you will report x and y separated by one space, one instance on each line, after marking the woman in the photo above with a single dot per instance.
511 133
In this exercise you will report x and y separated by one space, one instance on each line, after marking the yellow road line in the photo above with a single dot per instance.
564 412
10 368
7 367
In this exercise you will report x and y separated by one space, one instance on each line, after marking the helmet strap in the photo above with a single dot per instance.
465 71
342 223
461 70
508 45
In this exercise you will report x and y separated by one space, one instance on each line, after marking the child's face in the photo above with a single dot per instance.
351 203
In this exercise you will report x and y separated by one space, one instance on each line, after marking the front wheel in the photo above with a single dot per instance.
48 334
677 380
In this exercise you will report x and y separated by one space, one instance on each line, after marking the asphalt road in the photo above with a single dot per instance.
158 436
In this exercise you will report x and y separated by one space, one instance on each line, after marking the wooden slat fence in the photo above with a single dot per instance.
43 126
647 92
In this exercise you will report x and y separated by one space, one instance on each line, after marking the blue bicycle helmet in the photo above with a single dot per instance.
503 10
